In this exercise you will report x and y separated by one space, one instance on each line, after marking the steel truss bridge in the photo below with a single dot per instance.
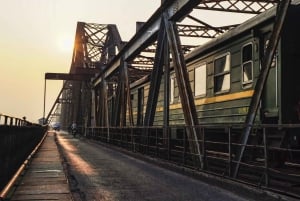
103 65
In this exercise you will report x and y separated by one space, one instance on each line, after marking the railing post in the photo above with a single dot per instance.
148 138
184 146
5 120
229 151
203 149
126 138
266 157
168 143
121 137
108 134
132 140
156 141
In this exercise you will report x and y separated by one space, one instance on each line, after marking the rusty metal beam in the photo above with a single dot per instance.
260 84
123 95
66 76
237 6
128 94
147 33
166 91
202 31
155 78
94 46
120 105
184 87
88 71
101 106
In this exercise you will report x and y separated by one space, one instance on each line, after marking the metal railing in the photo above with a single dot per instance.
18 138
271 158
12 121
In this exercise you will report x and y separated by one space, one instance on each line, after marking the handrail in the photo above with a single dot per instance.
13 180
7 120
269 153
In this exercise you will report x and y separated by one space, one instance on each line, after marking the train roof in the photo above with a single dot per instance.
242 28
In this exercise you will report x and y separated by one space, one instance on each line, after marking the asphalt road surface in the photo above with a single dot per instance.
96 172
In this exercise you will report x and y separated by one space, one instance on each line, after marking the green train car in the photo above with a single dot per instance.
223 73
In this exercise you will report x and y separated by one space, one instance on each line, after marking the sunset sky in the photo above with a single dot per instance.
36 37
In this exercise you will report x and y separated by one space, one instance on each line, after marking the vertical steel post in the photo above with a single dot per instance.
94 108
5 120
44 110
117 113
103 107
184 145
123 97
229 152
266 157
266 65
156 141
203 148
168 144
128 94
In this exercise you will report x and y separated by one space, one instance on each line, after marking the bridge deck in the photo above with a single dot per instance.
99 172
45 178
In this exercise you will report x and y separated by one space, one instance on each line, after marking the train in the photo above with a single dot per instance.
223 73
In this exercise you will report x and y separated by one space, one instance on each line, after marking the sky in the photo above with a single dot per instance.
36 36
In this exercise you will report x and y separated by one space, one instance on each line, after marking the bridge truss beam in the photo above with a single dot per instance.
146 57
94 46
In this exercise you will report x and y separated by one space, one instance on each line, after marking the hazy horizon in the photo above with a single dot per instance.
37 37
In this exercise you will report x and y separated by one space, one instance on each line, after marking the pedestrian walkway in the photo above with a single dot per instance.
45 178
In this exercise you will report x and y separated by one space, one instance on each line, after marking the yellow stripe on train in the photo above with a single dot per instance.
215 99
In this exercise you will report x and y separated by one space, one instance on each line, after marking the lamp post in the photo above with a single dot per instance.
44 102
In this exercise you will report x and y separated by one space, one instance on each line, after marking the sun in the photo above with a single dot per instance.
65 43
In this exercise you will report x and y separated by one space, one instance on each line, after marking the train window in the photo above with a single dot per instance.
200 80
172 89
222 73
247 65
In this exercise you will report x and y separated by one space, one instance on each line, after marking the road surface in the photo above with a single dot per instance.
98 173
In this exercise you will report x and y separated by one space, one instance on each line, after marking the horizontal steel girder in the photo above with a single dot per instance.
66 76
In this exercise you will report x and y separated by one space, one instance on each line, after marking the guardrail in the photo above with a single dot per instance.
18 138
13 121
271 161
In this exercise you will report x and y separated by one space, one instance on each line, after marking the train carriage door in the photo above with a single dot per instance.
269 107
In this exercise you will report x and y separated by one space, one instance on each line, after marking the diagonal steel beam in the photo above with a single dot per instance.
259 87
237 6
156 76
128 92
184 87
176 9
